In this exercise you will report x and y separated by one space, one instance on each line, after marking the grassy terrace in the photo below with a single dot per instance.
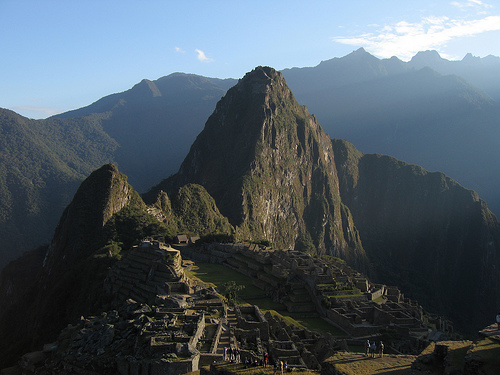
485 351
239 368
357 364
217 274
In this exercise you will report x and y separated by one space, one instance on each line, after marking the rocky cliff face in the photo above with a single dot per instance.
100 196
69 280
270 168
425 233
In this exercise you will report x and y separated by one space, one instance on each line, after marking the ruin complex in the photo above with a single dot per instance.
160 321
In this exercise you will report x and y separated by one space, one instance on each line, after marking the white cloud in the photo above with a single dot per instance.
202 57
470 4
405 39
180 50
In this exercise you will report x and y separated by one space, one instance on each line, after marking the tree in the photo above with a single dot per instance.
231 290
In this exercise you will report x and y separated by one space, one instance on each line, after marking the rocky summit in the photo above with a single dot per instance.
320 229
271 170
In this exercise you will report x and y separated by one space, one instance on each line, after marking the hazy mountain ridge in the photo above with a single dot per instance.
267 164
481 72
421 111
44 161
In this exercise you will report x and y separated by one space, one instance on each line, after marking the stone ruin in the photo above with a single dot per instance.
161 322
327 287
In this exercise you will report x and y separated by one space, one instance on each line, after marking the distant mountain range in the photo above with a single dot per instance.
146 130
263 169
443 115
415 111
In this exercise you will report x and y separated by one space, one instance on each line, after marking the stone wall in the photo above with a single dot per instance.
260 323
133 366
345 323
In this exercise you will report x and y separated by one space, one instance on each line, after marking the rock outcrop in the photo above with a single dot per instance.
270 168
69 281
425 233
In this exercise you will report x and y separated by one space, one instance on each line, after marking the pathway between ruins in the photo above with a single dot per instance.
225 337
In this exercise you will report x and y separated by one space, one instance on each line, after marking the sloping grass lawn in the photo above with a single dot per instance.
241 369
357 364
487 351
218 274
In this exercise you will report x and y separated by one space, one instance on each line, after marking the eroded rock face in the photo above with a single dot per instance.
270 168
70 278
100 196
425 233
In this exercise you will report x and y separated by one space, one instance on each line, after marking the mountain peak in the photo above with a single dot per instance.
359 53
102 194
269 165
260 79
426 57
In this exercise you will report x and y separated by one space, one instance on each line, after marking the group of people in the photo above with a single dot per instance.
280 365
371 348
230 354
233 355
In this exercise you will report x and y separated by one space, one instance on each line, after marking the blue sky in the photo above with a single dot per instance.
60 55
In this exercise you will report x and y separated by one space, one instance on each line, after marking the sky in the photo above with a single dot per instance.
59 55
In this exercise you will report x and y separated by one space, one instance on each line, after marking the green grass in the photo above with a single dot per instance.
357 364
239 368
488 352
267 304
218 274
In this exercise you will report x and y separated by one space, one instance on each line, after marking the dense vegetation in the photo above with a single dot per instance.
42 162
146 130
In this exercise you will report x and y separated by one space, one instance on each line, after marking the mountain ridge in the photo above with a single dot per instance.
425 232
265 162
233 159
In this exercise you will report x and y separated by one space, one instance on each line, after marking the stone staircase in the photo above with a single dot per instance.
227 337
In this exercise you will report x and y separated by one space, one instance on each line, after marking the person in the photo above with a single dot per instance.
230 354
285 366
381 349
367 347
373 348
266 358
281 367
224 354
498 320
276 365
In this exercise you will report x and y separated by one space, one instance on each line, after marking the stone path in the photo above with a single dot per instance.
225 337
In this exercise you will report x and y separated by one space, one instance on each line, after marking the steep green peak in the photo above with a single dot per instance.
261 80
101 195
